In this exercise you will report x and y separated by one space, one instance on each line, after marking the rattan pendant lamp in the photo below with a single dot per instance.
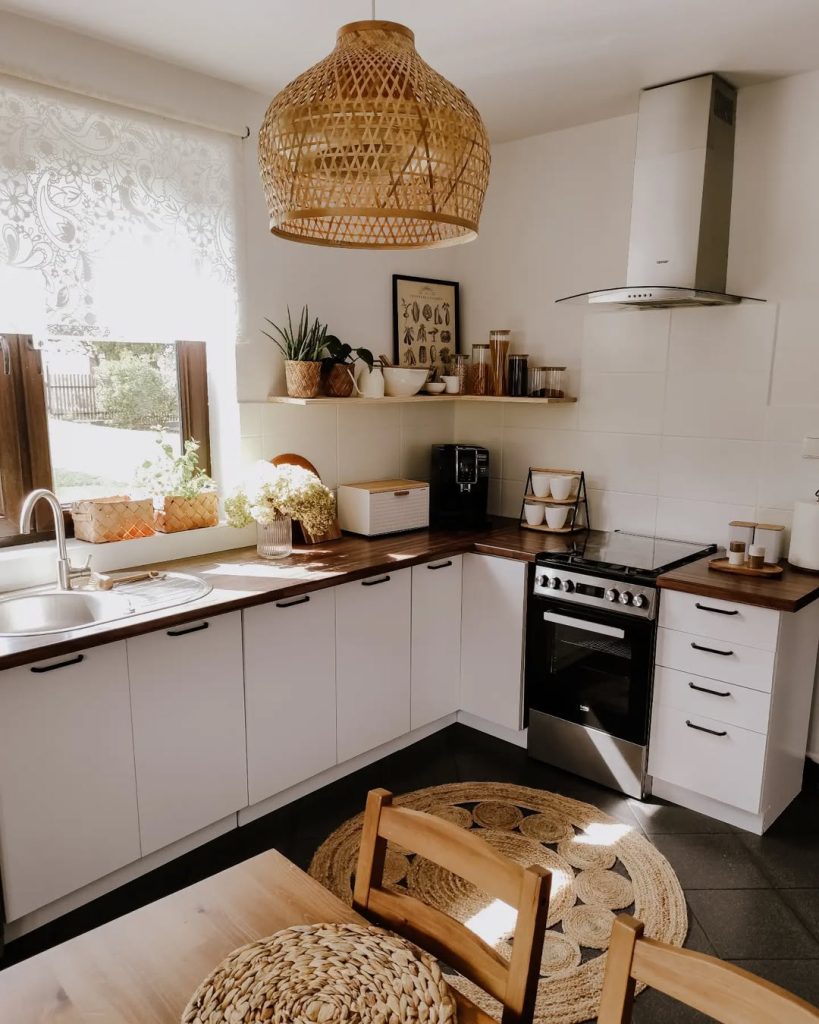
373 149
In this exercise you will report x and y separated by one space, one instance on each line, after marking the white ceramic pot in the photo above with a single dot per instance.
404 381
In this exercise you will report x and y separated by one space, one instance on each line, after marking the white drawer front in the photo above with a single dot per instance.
726 767
726 702
720 620
716 659
391 511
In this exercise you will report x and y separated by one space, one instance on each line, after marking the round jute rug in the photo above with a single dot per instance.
600 867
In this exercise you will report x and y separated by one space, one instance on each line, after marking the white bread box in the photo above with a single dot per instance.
383 506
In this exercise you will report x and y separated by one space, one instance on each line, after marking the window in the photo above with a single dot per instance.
116 239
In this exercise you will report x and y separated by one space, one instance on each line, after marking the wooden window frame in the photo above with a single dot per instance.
25 454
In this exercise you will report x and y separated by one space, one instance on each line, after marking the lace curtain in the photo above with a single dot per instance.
126 221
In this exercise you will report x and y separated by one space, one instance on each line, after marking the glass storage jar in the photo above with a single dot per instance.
499 341
517 375
547 382
460 368
479 373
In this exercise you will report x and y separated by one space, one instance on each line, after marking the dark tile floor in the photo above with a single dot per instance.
753 900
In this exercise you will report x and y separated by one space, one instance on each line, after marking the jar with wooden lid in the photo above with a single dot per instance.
517 375
548 382
479 372
499 341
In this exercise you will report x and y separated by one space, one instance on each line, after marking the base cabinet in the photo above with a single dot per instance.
290 691
68 800
373 661
436 640
187 699
492 629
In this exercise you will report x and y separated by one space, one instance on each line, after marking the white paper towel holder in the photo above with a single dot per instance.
802 568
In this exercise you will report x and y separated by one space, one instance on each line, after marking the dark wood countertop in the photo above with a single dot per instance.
240 578
786 593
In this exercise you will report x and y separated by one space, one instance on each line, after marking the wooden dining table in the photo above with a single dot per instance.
143 968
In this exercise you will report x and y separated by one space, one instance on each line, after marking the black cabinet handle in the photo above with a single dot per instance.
440 565
292 604
701 728
714 693
60 664
717 611
190 629
711 650
374 583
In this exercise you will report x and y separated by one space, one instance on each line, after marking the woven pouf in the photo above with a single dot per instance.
322 974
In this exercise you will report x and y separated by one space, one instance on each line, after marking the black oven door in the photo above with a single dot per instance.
591 667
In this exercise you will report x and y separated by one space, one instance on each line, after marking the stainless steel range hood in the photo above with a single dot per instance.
681 200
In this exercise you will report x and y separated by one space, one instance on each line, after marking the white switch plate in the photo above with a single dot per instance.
810 447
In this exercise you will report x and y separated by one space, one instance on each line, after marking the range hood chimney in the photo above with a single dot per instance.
681 199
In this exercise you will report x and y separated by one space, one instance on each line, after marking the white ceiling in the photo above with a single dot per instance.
529 65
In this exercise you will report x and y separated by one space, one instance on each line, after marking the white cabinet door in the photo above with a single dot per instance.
494 598
290 691
436 640
187 697
373 661
68 804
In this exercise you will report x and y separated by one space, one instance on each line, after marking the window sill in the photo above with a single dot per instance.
30 565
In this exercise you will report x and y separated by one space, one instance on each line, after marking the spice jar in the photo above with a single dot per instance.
517 375
499 341
479 373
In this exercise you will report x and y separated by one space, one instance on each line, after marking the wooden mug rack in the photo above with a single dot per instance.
579 503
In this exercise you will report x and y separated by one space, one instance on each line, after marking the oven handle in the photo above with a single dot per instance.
592 627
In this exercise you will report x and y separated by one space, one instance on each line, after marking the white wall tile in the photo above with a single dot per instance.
250 451
796 360
622 342
619 462
310 431
791 423
726 338
524 448
542 417
626 403
482 425
369 442
494 503
250 419
716 404
613 510
421 427
704 521
709 470
786 477
511 497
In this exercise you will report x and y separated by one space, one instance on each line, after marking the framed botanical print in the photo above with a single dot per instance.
426 321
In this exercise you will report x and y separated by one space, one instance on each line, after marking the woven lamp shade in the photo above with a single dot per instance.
373 149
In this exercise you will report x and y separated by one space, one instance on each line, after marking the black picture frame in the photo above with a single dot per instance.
411 298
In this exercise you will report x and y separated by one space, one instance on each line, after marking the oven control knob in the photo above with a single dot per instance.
640 601
625 597
568 586
553 583
542 580
612 595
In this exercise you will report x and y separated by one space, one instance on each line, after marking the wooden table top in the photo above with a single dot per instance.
787 593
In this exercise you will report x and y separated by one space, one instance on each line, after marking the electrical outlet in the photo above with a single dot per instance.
810 447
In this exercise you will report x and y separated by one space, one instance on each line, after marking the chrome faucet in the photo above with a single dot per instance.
65 570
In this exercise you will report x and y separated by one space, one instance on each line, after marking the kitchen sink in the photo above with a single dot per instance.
38 612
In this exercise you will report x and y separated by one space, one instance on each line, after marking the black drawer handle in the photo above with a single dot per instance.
711 650
701 728
60 664
374 583
717 611
292 604
190 629
714 693
440 565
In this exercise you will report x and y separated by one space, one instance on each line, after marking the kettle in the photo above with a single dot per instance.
369 383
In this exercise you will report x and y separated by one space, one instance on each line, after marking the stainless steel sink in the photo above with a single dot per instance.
59 611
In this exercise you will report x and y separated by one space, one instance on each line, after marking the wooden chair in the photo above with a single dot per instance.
705 983
512 982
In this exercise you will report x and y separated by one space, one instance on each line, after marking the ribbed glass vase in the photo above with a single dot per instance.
275 540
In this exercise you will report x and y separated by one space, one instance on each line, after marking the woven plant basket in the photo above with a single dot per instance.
303 378
101 520
177 513
338 382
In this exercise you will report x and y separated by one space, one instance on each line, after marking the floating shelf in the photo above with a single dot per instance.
287 400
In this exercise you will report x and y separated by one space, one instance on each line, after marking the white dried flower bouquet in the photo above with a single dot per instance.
276 491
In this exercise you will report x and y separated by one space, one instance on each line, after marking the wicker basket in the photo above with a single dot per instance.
303 378
100 520
338 381
176 513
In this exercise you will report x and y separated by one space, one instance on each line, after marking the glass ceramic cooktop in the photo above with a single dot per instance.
630 552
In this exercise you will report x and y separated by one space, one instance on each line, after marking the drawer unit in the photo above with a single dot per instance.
726 702
716 659
720 620
706 756
383 506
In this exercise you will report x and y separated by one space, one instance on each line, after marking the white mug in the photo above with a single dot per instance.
556 517
451 384
540 484
534 511
561 487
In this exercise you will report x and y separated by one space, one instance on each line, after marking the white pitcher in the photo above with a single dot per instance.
369 383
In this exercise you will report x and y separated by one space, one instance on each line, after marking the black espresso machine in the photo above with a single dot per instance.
459 486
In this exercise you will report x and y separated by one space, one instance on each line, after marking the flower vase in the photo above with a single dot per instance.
275 539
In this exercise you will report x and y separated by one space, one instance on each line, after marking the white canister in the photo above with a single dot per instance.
770 537
804 549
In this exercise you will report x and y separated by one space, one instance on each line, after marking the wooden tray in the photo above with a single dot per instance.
767 571
543 528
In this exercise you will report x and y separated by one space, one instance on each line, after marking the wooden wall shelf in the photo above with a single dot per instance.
429 399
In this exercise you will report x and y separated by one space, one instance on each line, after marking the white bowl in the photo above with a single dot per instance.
434 388
403 381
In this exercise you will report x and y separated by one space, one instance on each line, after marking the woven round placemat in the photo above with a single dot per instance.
597 862
323 974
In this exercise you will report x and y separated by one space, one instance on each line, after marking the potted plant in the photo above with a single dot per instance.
184 496
336 366
273 497
301 347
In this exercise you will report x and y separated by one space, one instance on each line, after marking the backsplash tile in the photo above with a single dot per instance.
369 442
627 403
705 469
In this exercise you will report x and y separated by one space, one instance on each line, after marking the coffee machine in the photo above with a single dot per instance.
459 486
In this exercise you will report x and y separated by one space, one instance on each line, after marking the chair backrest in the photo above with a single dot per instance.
705 983
512 982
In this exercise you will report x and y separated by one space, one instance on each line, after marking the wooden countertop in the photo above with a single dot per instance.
240 579
786 593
